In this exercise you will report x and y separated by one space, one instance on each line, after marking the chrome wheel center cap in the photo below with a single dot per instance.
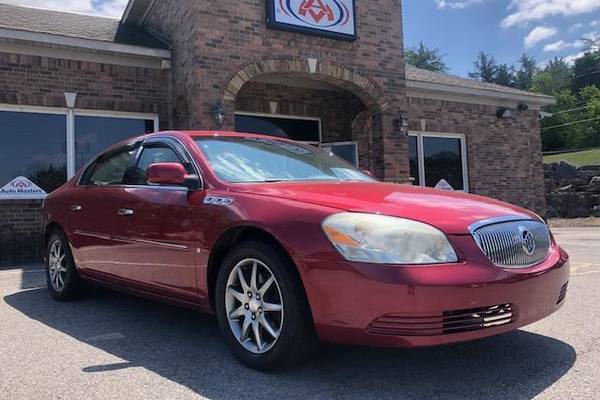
254 306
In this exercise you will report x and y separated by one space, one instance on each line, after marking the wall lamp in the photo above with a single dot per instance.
401 123
504 112
219 114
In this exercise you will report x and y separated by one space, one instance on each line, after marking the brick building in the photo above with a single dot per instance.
328 72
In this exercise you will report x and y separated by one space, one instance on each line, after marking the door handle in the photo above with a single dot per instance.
75 207
124 212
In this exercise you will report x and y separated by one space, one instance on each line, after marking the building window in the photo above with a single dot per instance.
438 157
35 141
345 150
94 134
302 129
33 146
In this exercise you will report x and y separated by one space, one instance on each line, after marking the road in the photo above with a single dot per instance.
112 346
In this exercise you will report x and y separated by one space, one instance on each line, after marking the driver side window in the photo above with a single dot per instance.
152 155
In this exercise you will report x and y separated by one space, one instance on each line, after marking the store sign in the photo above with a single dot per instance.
444 185
330 18
21 188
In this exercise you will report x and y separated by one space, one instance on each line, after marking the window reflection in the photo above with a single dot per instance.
34 146
443 160
95 134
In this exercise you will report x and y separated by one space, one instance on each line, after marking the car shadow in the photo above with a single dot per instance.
185 347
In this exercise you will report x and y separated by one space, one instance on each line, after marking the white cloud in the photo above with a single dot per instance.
595 23
592 35
109 8
523 11
539 34
456 4
562 45
571 59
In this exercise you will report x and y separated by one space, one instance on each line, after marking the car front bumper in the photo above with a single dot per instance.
396 306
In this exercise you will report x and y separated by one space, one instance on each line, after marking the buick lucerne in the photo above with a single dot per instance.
289 245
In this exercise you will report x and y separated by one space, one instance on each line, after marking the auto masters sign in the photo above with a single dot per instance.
332 18
21 188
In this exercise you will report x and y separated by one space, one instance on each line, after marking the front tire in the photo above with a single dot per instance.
64 282
262 308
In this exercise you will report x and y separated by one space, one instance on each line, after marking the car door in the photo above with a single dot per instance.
156 233
93 212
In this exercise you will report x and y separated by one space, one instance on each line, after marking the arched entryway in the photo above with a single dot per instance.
317 102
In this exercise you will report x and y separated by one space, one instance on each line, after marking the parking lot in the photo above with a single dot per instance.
110 346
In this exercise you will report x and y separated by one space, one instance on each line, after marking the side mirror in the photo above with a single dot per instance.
171 174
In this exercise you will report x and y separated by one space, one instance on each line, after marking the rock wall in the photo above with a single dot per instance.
572 192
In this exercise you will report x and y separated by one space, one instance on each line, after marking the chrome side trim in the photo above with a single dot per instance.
151 243
94 235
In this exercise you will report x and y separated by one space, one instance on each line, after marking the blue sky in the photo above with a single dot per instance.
459 28
505 28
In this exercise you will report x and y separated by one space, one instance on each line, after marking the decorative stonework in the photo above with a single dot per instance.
345 78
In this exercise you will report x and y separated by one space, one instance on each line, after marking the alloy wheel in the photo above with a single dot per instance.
57 266
254 306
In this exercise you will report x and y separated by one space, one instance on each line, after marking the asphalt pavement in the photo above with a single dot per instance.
113 346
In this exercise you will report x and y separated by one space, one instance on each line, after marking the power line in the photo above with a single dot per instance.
571 110
571 123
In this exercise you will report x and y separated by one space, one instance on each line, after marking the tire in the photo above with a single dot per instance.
296 339
67 284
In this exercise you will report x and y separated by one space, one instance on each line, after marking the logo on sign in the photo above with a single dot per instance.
317 13
21 188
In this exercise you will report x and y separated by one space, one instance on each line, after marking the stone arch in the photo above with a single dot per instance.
351 80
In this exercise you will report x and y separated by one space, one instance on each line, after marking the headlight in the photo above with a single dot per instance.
381 239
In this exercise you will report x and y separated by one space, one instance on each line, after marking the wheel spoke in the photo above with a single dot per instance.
257 337
239 296
60 280
266 286
272 307
237 313
253 285
243 283
267 325
245 329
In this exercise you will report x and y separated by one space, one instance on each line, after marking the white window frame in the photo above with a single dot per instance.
286 116
70 115
355 143
421 154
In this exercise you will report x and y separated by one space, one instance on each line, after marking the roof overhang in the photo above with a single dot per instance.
416 88
136 12
88 44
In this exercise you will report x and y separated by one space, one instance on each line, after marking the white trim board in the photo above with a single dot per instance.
51 39
415 88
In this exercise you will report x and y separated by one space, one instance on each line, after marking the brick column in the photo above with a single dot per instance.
390 149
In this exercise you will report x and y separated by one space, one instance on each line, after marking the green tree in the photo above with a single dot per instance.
505 75
486 68
587 67
525 75
556 134
555 77
426 58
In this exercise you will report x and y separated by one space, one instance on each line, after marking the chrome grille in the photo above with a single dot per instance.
513 243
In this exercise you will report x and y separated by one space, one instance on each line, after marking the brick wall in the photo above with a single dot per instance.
504 155
212 41
42 81
20 231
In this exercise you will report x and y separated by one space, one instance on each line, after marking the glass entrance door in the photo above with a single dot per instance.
438 160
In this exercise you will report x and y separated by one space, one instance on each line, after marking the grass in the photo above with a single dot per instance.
578 158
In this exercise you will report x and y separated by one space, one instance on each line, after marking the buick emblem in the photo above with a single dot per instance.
527 241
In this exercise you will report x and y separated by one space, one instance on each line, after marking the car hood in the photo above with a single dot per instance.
452 212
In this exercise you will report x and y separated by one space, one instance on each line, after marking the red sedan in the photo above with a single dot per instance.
289 245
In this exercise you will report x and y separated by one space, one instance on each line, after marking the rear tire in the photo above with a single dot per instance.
267 301
64 282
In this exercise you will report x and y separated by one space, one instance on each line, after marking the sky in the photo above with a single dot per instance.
506 29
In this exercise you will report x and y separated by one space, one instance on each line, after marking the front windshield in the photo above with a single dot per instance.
246 159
